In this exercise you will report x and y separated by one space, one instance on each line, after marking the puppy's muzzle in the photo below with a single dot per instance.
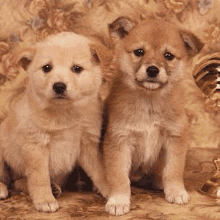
154 77
59 88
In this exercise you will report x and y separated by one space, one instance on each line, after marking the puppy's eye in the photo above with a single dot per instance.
169 56
47 68
77 69
139 52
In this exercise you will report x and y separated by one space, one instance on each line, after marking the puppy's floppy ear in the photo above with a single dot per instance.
24 57
192 43
121 27
101 54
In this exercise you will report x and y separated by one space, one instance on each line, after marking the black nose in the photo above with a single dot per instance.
152 71
59 87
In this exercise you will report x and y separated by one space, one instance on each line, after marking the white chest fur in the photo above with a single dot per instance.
142 135
146 144
64 150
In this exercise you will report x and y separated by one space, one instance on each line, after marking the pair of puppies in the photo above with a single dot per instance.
56 121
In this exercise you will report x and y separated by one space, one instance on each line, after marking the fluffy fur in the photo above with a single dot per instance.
146 120
55 122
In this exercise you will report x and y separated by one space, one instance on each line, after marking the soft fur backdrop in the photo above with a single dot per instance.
24 22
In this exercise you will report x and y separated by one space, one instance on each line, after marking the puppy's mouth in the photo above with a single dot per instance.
150 84
61 98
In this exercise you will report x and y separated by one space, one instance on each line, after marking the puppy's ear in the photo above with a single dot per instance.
192 43
101 54
24 57
121 27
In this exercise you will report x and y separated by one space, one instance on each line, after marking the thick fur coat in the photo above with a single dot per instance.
146 120
55 121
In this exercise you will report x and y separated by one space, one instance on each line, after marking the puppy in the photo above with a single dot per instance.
147 125
55 121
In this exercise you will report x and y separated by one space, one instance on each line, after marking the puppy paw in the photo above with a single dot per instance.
56 190
118 205
3 191
103 191
179 197
47 206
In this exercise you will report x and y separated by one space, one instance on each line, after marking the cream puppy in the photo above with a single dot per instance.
146 120
55 122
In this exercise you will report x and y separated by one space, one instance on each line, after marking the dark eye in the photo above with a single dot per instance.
139 52
169 56
77 69
47 68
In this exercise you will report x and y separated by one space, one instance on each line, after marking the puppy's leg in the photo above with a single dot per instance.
21 185
172 175
3 187
117 158
37 171
91 161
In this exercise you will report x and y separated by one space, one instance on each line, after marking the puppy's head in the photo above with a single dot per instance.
153 53
64 68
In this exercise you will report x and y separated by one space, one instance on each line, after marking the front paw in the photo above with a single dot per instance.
177 196
3 191
118 205
47 205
